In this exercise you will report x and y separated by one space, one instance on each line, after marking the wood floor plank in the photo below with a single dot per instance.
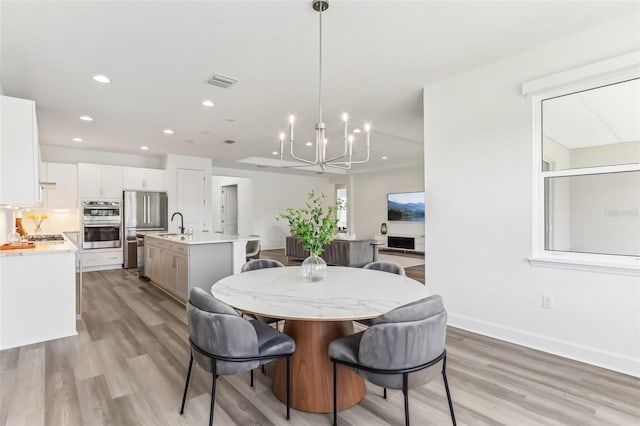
62 406
28 397
127 366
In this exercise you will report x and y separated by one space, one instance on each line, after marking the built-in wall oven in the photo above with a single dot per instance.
101 224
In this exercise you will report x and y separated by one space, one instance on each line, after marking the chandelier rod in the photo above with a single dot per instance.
320 68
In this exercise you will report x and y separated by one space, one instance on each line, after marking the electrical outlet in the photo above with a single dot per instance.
547 302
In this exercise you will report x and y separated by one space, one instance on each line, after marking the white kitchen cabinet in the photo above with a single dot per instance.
99 182
143 179
19 153
59 185
101 259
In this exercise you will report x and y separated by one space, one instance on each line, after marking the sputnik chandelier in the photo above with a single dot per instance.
343 161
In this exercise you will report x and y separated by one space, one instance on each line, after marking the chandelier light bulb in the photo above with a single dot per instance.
281 136
292 119
351 138
345 117
367 127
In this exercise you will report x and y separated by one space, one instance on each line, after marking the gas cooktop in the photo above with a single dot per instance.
46 238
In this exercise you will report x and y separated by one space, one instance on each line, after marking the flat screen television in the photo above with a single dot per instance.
405 207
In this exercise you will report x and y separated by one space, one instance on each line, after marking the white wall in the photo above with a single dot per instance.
56 223
369 195
171 164
478 157
59 154
245 202
272 194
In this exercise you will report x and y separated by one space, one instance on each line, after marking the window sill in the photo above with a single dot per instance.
629 267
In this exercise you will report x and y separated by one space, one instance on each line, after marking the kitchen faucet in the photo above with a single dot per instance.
181 227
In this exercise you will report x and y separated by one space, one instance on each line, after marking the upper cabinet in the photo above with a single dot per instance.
100 182
19 153
143 179
59 185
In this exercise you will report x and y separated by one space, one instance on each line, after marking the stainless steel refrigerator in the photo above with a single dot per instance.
144 212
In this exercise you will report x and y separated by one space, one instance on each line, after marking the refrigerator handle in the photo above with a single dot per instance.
148 208
144 209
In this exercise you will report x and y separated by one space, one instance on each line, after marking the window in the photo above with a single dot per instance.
587 171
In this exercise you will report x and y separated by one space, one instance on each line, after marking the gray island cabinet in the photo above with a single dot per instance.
177 263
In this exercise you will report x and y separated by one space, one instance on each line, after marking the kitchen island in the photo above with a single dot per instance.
177 263
37 294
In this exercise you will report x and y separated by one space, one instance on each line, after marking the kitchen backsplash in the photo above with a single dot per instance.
55 223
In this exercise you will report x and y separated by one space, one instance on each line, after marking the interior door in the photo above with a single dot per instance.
229 209
192 198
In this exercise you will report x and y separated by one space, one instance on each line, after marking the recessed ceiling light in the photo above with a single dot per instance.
231 119
86 118
208 103
229 141
205 132
77 139
189 141
309 144
384 157
168 131
102 79
275 153
357 130
144 148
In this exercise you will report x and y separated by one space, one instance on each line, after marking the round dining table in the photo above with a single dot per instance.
315 314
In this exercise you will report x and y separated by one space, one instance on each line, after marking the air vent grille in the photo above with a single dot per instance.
222 81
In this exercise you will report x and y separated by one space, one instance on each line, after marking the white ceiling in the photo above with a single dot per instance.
377 55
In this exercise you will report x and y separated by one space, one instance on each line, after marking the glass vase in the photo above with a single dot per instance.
314 268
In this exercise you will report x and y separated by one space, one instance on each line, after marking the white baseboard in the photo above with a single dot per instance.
586 354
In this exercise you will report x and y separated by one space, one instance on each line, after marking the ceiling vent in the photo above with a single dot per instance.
230 141
222 81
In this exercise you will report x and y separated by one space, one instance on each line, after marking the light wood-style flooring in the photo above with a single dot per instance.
127 367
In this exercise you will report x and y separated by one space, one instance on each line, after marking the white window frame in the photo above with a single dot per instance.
602 73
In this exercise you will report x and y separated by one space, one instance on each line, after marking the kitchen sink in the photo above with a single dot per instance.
169 235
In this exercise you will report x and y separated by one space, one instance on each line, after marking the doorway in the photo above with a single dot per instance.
229 209
341 196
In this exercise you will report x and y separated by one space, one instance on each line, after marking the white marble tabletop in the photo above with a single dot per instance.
345 294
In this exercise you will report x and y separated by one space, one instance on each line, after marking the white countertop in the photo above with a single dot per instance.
346 293
42 249
201 238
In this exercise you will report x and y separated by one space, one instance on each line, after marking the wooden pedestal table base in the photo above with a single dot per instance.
312 370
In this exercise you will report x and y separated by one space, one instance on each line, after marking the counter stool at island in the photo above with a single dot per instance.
223 343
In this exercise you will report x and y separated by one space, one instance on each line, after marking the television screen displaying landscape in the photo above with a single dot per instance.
407 206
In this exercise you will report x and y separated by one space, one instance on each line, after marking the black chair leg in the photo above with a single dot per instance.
288 387
446 387
405 391
384 393
213 398
251 381
335 379
186 385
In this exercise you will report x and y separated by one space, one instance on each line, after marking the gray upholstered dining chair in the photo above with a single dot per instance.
224 343
402 349
384 266
255 264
